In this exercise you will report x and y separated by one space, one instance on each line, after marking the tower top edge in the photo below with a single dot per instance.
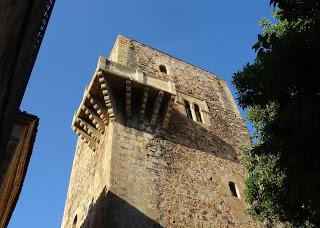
120 36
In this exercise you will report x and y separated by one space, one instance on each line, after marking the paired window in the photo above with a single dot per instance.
197 112
193 111
188 109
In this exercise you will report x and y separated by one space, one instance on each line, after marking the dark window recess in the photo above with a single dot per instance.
197 111
74 224
233 189
188 110
163 69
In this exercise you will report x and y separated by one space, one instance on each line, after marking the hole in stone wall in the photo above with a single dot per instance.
163 69
233 189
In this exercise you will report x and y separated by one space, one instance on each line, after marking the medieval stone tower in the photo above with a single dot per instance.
158 146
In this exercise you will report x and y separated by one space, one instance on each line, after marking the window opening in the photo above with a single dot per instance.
74 224
197 111
233 189
188 109
163 69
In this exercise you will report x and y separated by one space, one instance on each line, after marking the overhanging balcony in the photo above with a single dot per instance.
122 94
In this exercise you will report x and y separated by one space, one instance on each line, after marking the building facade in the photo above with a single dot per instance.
158 146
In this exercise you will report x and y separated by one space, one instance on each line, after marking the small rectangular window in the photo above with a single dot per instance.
233 189
188 109
197 112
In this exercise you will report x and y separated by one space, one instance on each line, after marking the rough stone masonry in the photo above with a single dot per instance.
158 146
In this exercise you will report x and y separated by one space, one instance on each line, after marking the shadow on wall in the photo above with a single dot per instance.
193 135
110 211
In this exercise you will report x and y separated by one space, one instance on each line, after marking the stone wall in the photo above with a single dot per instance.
90 174
174 178
188 78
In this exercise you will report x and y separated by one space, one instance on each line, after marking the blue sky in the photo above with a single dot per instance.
214 35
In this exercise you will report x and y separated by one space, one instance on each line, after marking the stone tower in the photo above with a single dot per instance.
158 146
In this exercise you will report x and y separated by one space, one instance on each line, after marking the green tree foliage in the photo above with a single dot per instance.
281 90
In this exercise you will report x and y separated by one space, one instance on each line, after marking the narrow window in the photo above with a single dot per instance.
198 114
74 224
188 110
233 189
163 69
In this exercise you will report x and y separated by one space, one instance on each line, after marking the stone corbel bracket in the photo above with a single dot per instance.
148 100
95 111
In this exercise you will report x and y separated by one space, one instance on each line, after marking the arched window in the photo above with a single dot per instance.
163 69
197 112
233 189
188 109
74 224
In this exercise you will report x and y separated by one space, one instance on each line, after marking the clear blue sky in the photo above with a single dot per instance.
215 35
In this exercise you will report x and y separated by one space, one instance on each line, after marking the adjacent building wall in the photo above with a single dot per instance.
20 149
22 27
